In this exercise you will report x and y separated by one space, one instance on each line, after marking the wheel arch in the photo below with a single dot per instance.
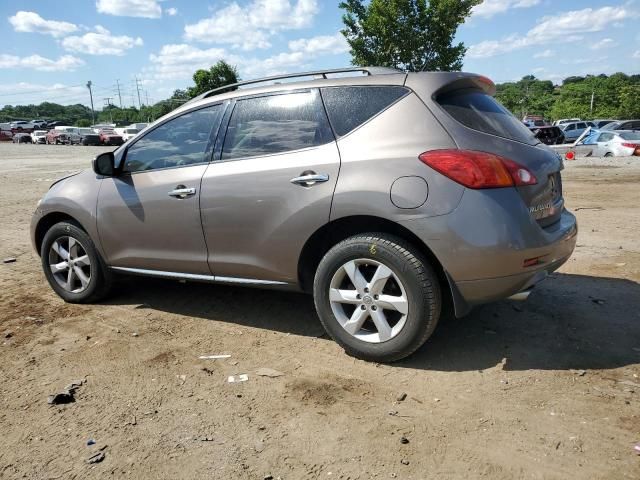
48 221
340 229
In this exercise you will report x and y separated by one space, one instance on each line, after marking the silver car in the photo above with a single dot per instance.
617 144
391 197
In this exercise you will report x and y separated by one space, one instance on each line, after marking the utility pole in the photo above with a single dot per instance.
138 89
119 96
593 94
146 93
107 102
93 114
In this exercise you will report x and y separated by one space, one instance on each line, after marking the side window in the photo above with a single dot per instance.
179 142
276 124
350 107
581 126
605 137
570 127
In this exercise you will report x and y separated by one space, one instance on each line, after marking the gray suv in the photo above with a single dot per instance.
391 197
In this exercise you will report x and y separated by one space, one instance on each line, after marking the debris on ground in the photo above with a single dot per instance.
97 457
401 397
90 442
67 395
243 377
213 357
404 461
637 448
598 301
8 334
580 373
404 440
268 372
134 334
9 260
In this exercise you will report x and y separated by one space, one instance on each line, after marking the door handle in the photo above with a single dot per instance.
182 192
310 179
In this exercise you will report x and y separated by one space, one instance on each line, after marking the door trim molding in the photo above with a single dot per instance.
197 277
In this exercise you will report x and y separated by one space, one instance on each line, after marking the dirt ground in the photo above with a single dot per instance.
547 389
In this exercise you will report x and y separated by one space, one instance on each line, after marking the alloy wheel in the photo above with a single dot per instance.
369 300
70 264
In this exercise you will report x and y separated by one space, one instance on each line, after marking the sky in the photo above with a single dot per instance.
50 50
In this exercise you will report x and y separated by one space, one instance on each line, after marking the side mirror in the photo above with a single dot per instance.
103 164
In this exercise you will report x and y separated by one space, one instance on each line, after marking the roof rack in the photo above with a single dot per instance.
314 73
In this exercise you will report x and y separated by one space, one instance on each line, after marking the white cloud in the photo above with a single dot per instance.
567 26
32 22
100 42
130 8
180 61
250 27
36 62
545 54
636 54
604 43
489 8
323 44
171 11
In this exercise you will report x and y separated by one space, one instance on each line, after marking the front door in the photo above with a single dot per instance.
271 188
149 215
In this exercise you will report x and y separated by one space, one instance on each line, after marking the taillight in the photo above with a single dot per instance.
630 145
478 169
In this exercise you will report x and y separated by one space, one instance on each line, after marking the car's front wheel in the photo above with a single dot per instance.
377 297
72 264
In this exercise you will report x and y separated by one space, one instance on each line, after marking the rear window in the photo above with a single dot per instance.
350 107
630 135
482 112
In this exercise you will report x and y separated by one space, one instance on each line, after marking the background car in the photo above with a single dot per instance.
601 123
39 136
110 137
562 121
617 144
127 133
622 125
573 130
5 135
549 135
22 138
88 136
56 137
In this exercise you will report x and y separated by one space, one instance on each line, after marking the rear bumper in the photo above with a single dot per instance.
483 245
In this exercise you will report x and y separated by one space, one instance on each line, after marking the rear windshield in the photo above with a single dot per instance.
482 112
630 135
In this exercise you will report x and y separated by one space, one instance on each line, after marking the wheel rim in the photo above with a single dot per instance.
70 265
368 300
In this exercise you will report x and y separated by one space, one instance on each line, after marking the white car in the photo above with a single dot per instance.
562 121
127 133
620 143
39 136
22 125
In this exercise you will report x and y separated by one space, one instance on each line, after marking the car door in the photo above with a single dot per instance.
149 216
270 187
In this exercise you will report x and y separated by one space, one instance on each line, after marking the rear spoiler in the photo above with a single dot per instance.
438 83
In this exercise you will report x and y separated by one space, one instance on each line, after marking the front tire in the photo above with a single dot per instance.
73 266
377 297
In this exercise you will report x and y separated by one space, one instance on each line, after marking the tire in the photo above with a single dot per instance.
608 154
411 284
97 280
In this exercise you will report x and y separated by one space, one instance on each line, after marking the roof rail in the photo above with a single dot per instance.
314 73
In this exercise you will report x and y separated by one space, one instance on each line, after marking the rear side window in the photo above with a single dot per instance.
350 107
605 137
482 112
276 124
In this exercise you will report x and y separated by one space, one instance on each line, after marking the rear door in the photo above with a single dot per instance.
270 187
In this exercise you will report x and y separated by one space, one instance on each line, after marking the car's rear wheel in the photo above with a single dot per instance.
377 297
72 264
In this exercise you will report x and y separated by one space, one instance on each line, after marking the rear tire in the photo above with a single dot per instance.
608 154
73 266
400 310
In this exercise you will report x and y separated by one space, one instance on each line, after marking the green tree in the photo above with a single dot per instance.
411 35
218 75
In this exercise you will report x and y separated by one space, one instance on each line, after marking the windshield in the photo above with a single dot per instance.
479 111
131 130
630 135
86 131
